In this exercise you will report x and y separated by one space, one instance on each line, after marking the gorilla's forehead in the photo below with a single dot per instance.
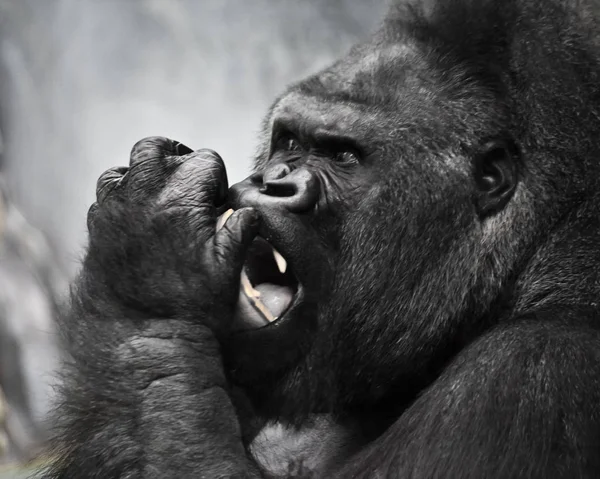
376 74
370 66
376 88
314 113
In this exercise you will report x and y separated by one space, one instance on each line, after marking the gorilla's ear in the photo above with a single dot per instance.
496 176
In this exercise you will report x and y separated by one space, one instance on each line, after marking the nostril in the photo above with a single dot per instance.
256 179
279 188
297 192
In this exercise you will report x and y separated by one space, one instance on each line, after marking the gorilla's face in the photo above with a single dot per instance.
386 182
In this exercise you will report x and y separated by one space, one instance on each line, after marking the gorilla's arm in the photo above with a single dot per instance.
516 403
144 394
145 401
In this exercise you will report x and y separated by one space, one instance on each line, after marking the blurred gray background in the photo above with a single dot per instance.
82 80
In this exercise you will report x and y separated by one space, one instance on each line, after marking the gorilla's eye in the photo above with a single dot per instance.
347 157
288 143
292 144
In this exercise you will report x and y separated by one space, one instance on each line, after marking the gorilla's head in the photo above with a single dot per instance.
407 187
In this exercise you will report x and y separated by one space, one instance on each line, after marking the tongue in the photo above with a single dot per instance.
275 297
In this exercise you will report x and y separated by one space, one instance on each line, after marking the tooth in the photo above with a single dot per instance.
280 260
254 297
252 294
223 218
248 288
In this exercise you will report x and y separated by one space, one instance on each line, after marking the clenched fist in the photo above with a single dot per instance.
152 239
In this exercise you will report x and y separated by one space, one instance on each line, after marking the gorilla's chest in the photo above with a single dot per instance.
311 451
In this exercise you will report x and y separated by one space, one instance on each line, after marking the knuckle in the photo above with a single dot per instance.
153 147
208 160
208 153
91 216
208 170
108 181
154 176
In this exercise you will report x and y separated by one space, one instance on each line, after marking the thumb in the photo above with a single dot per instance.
232 241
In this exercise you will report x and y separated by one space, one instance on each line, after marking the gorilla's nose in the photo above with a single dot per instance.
279 186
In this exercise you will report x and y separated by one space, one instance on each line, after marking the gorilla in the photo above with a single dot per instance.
408 286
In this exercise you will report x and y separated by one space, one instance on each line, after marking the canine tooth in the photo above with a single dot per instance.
223 218
280 260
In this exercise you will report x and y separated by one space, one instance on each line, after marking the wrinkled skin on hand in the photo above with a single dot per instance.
153 225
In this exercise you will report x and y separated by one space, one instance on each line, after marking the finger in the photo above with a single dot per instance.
91 217
222 186
232 241
152 162
212 163
156 147
182 150
108 181
199 182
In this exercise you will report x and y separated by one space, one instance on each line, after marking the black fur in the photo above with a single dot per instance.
449 325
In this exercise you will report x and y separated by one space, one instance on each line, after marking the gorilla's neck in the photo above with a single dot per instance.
570 249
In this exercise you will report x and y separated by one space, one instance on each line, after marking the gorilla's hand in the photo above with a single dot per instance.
152 234
146 382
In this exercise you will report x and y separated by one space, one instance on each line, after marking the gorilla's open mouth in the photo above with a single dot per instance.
267 285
